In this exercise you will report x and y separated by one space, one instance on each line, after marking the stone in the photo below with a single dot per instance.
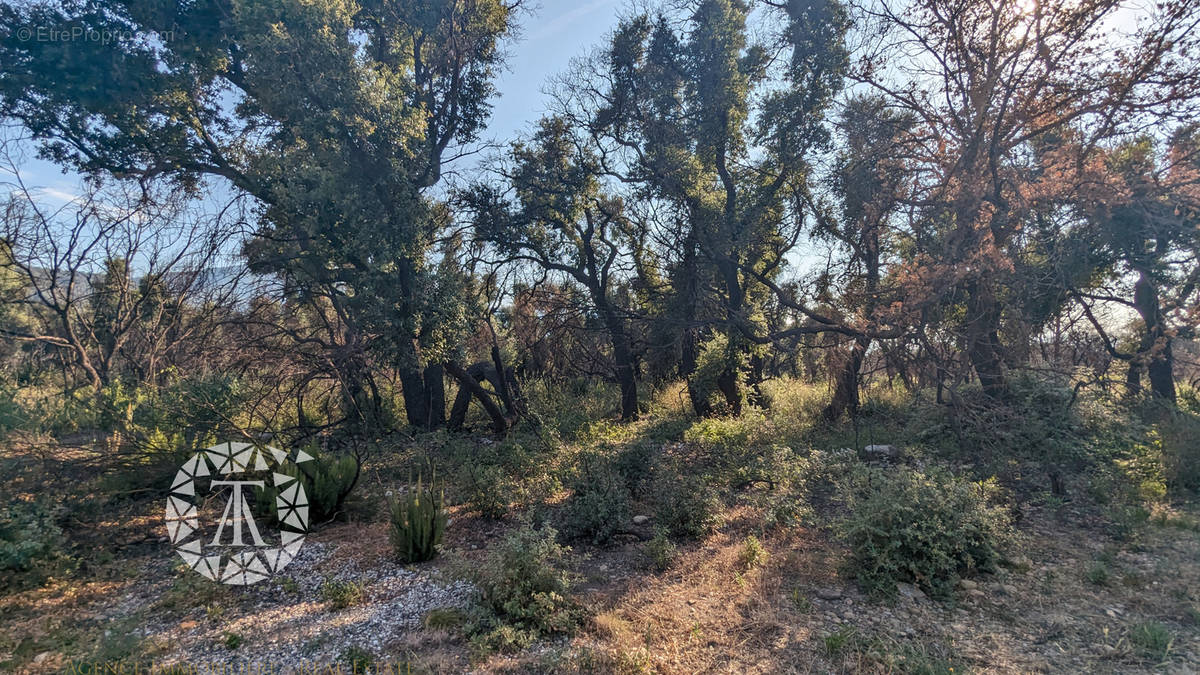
967 584
829 593
641 520
41 657
910 592
881 452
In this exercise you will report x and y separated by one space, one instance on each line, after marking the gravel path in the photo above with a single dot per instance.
284 626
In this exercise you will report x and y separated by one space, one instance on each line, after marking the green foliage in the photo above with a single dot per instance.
31 542
1152 639
1181 451
328 481
418 522
445 618
836 641
1097 573
660 551
716 356
485 489
926 529
341 594
752 554
232 641
686 505
358 660
524 591
600 504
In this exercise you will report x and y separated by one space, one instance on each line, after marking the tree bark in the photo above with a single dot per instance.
845 393
1154 354
468 384
435 395
983 339
623 356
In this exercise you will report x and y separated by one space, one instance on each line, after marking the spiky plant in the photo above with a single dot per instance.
418 523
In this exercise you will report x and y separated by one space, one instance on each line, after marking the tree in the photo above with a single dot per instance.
871 180
718 130
558 219
78 293
337 117
1147 240
988 82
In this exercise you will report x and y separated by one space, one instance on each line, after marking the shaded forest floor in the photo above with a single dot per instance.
1082 596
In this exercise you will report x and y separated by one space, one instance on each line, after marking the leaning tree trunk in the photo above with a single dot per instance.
468 386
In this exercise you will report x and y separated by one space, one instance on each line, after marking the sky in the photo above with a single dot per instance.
552 33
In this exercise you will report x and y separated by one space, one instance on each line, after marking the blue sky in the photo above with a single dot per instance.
551 35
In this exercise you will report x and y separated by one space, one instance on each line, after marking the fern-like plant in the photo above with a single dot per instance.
418 523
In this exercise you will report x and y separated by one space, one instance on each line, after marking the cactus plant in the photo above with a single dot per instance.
417 524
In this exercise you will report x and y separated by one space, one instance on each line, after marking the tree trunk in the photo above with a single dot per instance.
983 340
690 347
1154 354
468 385
435 395
623 357
412 388
845 393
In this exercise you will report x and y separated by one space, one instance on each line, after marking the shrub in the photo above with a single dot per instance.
524 591
341 594
418 521
358 660
600 505
686 505
1152 639
485 490
328 481
752 554
1181 451
922 528
660 551
31 542
635 464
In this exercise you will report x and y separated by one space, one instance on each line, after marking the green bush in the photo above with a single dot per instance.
418 522
926 529
524 591
660 551
686 505
328 481
1181 451
600 504
341 594
485 489
31 542
635 464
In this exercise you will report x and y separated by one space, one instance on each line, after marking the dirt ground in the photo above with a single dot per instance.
1074 602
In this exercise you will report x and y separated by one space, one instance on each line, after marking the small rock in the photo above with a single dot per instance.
641 520
1008 589
829 593
976 594
881 452
41 657
910 592
967 584
1021 563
